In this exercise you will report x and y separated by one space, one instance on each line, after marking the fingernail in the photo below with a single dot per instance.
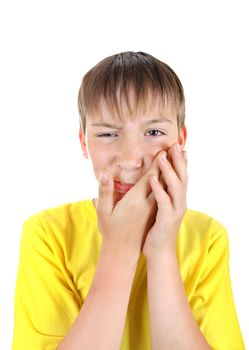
164 156
104 177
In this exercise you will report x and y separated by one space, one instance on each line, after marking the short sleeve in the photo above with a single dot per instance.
213 302
46 303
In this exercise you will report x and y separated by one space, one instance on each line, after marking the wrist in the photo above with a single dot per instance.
161 256
119 256
157 251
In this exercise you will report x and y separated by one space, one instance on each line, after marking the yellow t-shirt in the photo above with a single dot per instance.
58 257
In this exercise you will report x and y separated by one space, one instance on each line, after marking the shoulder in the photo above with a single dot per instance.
202 248
60 223
202 239
202 226
64 213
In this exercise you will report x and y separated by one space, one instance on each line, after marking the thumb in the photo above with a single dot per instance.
105 198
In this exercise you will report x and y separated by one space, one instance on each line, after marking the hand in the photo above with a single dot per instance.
124 224
171 202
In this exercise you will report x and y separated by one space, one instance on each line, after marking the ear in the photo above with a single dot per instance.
182 138
83 142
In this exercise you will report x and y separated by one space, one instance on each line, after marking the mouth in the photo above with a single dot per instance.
122 187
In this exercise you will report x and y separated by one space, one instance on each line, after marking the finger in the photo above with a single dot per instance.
172 182
184 153
175 189
179 161
162 198
105 197
142 189
162 183
152 200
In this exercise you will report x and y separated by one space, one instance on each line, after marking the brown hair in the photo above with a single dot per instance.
130 79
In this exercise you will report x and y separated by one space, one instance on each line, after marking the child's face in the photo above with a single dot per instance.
127 148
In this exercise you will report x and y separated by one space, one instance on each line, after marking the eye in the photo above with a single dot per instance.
107 134
155 132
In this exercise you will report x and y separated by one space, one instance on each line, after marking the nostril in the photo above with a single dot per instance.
129 165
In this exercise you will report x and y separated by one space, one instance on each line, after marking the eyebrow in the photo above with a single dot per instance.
147 122
161 120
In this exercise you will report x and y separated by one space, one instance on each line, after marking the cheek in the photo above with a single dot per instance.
100 159
157 147
154 149
173 138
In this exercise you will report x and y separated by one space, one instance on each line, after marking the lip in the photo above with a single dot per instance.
122 187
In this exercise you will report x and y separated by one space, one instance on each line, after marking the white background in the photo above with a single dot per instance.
47 46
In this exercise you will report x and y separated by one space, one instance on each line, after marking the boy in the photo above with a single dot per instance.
133 269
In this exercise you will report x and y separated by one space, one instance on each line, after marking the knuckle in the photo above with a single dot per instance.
162 198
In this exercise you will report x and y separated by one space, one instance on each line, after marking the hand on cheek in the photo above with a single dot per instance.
170 194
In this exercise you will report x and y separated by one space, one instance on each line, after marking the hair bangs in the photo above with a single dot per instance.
129 102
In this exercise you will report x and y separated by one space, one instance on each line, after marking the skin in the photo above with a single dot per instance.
132 152
128 153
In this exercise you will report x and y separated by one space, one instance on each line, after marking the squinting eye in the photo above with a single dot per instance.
155 132
108 134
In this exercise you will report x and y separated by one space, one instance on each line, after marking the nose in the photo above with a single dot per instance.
130 157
